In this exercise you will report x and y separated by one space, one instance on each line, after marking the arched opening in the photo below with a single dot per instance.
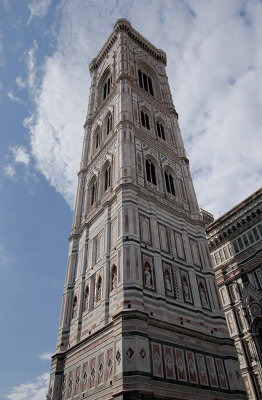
109 123
145 120
107 177
150 172
160 130
145 82
169 181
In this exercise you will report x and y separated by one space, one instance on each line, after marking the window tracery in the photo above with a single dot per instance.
107 178
160 130
150 172
145 82
169 181
145 120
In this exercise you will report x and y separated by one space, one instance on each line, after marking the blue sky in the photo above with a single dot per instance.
214 69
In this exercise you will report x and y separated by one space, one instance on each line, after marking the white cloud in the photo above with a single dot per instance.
38 8
31 68
214 70
32 390
9 171
20 83
45 356
12 97
20 155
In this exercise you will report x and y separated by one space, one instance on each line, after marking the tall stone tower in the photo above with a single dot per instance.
141 316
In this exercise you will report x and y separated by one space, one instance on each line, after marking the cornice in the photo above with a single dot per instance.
244 207
123 25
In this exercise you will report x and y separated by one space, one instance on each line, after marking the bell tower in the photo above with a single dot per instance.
141 316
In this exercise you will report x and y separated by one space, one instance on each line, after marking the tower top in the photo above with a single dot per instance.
124 25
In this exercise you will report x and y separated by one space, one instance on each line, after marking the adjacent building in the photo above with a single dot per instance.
141 316
235 242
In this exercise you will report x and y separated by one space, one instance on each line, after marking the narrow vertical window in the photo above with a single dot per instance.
160 130
150 86
145 82
98 139
150 172
93 193
107 177
145 120
109 124
169 183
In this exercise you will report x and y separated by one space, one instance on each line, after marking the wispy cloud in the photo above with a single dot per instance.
31 390
38 8
20 155
9 171
12 97
214 70
45 356
31 67
20 83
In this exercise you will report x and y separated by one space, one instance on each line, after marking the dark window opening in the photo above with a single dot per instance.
145 82
109 124
107 87
160 130
169 183
145 120
150 172
107 177
93 194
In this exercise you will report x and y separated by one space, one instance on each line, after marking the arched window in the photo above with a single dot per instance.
107 87
107 177
114 277
98 138
93 193
99 289
145 120
150 172
109 124
160 130
74 307
169 183
86 300
145 82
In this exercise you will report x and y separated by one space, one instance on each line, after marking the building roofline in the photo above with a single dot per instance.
235 210
124 25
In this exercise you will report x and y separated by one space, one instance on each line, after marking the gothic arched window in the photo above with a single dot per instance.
160 130
150 172
145 82
169 183
107 177
145 120
93 193
98 138
107 87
